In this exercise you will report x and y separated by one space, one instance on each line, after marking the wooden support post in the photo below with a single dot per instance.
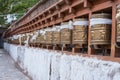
46 21
113 30
68 2
61 15
71 10
44 15
62 48
53 47
87 4
89 36
73 50
57 7
49 11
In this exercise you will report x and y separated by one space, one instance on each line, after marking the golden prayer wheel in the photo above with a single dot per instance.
38 39
56 36
118 32
66 33
118 14
23 38
30 37
42 39
16 41
80 31
48 36
41 36
34 37
100 29
118 23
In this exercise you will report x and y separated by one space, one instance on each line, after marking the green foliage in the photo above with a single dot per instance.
14 7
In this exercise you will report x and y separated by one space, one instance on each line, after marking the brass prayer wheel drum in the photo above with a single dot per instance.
23 38
80 31
16 39
118 32
118 23
101 29
34 37
42 36
56 35
31 36
66 33
28 38
48 36
39 39
118 14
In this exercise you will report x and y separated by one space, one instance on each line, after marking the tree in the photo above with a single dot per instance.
17 7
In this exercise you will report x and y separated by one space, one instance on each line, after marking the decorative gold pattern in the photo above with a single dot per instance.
66 37
23 39
118 32
48 37
56 37
80 35
101 34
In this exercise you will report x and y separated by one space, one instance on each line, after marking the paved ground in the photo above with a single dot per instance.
8 71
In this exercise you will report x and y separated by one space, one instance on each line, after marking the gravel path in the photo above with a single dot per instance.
8 71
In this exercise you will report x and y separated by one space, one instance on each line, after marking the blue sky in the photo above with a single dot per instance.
10 17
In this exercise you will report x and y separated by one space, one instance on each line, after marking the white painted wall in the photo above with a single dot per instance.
43 64
12 49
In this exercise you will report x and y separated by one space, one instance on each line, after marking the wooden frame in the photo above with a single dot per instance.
56 14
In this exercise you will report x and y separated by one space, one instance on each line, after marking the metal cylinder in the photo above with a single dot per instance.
42 36
48 35
101 29
118 23
23 38
80 31
66 33
56 35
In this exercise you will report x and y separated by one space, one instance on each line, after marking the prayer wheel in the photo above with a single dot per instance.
23 38
66 32
80 31
32 38
100 29
48 36
38 38
56 35
42 36
15 39
118 23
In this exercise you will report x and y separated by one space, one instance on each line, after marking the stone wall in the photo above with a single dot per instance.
42 64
